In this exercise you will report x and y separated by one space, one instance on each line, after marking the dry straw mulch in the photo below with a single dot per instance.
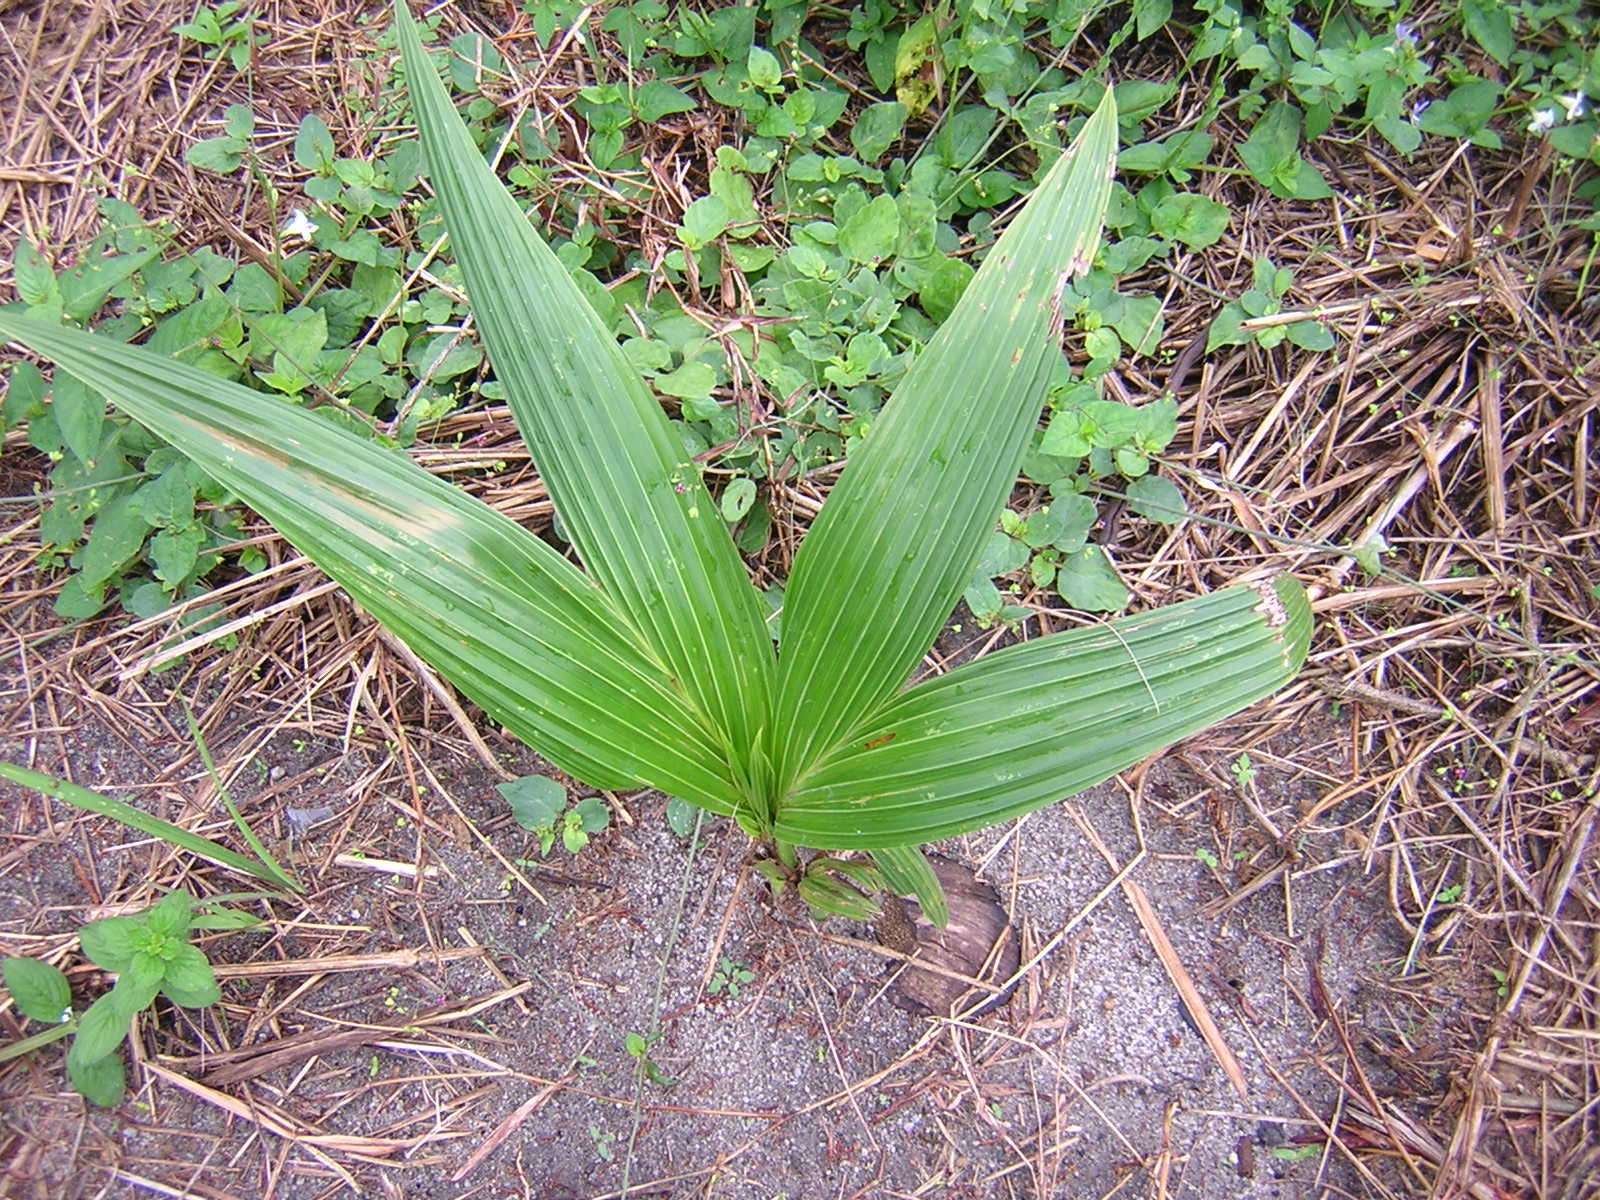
1456 420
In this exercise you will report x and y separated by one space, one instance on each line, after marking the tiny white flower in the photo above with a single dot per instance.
300 225
1544 119
66 1014
1574 104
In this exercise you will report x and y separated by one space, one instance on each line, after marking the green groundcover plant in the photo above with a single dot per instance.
152 954
654 666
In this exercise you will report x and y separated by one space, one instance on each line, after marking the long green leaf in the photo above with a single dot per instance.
266 869
628 493
509 621
1036 722
900 535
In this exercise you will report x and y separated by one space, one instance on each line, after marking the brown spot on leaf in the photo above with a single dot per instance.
1271 606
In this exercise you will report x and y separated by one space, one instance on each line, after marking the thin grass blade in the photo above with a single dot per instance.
266 870
900 535
628 493
1037 722
255 843
504 617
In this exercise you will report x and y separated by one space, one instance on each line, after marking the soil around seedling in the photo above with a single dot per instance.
1376 892
805 1078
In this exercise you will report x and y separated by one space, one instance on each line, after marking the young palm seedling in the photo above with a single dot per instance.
652 666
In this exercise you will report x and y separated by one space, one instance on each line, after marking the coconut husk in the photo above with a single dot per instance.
976 953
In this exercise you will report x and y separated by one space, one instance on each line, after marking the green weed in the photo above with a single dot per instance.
151 954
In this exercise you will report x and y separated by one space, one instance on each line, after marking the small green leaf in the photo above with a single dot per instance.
984 599
100 1031
1131 462
1151 15
1089 581
35 281
872 232
1002 554
189 979
1311 335
1226 327
109 943
1102 344
1488 22
536 801
101 1082
1195 220
313 144
1577 139
239 121
221 155
657 99
1369 554
594 814
1153 497
170 915
737 498
1158 424
203 28
174 553
472 57
40 990
877 128
1398 132
86 286
680 816
80 414
573 835
1075 516
1177 154
692 381
138 985
704 221
1272 154
254 290
764 69
752 538
943 287
291 341
1465 111
225 919
1066 436
24 399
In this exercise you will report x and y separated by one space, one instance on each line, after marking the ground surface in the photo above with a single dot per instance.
1390 1043
809 1079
